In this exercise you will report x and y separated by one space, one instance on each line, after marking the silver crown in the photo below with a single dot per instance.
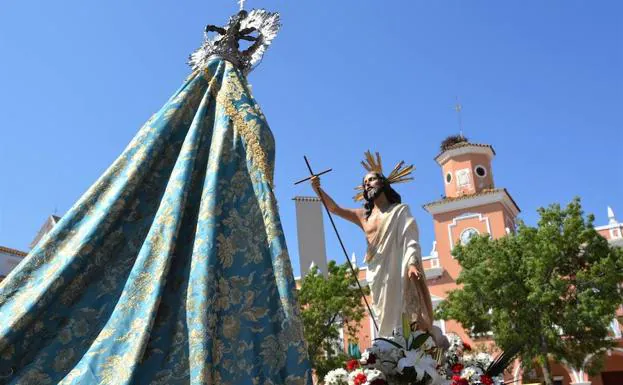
240 27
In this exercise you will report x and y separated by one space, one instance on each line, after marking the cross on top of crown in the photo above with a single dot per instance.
257 26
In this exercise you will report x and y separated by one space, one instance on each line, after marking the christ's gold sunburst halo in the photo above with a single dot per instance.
373 163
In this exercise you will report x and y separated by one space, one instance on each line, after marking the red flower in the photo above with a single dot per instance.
360 379
467 346
486 380
352 365
456 368
457 380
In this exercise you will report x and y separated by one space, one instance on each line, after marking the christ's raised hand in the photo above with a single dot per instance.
315 182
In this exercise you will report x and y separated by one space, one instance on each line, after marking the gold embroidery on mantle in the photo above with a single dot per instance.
248 129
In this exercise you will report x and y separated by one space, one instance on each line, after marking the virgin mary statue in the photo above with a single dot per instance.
172 268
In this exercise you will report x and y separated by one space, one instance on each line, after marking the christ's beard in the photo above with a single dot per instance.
374 193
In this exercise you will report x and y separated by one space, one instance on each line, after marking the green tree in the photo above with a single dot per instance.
551 289
329 303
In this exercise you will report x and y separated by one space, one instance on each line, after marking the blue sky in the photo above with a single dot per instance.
540 81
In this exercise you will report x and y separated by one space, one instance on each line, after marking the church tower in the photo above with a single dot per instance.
472 205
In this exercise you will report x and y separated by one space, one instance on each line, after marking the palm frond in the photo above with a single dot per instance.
418 341
502 361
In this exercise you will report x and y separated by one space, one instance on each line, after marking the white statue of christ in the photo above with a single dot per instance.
395 274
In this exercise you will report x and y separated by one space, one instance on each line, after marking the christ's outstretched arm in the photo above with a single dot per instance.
352 215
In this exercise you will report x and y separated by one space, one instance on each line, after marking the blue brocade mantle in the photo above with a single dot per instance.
172 268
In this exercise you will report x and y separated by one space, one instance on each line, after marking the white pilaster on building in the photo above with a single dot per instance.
310 230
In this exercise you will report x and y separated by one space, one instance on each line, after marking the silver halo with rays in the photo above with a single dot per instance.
225 43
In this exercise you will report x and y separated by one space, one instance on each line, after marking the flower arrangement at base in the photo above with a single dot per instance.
404 361
463 367
417 361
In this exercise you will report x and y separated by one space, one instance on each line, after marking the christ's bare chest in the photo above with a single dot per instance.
371 226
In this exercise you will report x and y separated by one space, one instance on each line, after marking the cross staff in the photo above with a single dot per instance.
313 175
352 269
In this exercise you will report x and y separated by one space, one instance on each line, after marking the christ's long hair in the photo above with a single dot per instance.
390 193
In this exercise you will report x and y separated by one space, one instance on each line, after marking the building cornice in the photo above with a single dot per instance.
463 149
15 252
306 199
468 201
609 226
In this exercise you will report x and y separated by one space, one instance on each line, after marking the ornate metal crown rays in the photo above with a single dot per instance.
226 42
399 174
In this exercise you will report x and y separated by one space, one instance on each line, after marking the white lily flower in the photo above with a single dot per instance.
469 372
365 357
374 374
429 366
409 360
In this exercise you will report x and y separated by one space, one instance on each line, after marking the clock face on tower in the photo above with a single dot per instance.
467 234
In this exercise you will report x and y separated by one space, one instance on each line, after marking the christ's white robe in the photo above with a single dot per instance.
394 248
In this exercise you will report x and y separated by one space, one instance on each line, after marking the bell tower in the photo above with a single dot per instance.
472 204
467 169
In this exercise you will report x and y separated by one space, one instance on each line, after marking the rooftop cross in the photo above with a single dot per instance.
458 108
